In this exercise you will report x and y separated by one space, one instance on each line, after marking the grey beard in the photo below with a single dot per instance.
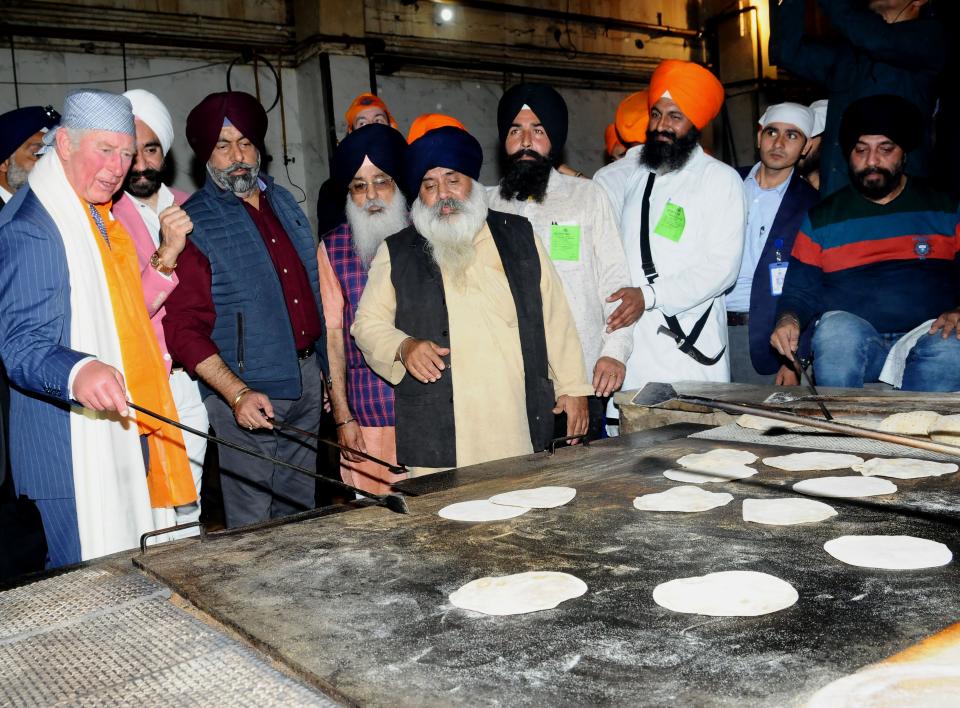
239 184
450 237
16 175
369 229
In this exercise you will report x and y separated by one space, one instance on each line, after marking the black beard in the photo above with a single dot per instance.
143 190
890 181
524 179
668 156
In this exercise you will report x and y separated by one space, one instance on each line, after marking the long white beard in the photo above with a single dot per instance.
370 228
450 236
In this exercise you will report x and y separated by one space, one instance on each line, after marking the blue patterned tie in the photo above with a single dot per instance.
99 222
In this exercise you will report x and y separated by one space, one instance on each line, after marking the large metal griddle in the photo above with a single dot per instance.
356 603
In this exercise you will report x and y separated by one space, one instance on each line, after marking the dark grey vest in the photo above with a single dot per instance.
426 433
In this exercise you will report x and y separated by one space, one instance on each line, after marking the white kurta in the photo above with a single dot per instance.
591 268
489 401
696 263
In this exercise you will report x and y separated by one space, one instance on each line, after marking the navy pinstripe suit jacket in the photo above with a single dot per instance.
35 347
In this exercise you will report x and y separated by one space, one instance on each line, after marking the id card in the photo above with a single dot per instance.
565 242
778 273
672 222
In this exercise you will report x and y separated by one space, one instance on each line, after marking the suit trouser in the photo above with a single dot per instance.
255 490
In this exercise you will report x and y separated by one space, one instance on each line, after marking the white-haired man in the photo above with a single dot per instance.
74 330
366 166
151 213
465 315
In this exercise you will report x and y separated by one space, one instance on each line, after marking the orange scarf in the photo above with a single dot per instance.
169 479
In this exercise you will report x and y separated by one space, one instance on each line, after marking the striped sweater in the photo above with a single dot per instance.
895 265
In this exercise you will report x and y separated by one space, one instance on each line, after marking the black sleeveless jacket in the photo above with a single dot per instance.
426 432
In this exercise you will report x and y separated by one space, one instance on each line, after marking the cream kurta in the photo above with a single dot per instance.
489 403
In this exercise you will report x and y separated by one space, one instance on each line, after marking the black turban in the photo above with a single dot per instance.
384 145
894 117
19 124
207 118
543 100
448 147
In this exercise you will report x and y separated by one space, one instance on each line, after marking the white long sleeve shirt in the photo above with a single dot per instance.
697 219
578 230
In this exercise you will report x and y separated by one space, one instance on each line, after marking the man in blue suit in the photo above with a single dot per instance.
777 200
53 316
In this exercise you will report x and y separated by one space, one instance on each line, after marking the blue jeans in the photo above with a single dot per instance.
849 352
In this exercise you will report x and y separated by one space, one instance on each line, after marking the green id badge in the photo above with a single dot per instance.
671 223
565 242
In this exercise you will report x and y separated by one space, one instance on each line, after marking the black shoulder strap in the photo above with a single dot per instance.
685 343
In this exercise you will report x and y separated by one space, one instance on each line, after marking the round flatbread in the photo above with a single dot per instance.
786 512
518 594
685 498
910 423
845 487
480 510
892 685
729 472
812 461
904 468
732 593
537 498
889 552
716 458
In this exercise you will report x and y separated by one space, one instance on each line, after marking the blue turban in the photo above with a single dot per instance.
448 147
18 125
384 146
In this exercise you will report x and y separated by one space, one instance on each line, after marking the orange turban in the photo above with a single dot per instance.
611 139
431 121
632 117
362 103
691 86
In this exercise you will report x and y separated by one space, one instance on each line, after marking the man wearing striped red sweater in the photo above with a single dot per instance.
875 261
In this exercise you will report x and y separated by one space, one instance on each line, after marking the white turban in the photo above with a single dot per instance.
150 110
819 109
793 114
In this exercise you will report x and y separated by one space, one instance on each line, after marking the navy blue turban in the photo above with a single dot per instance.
448 147
543 100
383 144
893 117
18 125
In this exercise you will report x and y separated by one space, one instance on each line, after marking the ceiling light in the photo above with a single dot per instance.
446 14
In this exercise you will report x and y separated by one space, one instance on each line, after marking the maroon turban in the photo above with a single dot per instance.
206 119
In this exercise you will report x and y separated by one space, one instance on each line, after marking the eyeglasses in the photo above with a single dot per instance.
380 184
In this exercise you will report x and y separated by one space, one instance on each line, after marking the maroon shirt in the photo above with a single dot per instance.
191 314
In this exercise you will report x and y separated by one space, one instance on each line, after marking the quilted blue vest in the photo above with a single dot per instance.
252 329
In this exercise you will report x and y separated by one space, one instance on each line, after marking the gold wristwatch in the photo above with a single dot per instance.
158 264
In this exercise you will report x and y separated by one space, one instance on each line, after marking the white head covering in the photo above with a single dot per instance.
93 109
790 113
151 111
819 109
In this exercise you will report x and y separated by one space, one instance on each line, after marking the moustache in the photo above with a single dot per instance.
875 171
669 135
454 205
526 152
148 174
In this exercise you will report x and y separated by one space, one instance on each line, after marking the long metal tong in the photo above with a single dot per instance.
393 501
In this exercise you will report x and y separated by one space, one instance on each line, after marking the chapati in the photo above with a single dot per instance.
519 593
728 473
889 552
904 468
685 498
480 510
910 422
786 512
812 461
845 487
731 593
